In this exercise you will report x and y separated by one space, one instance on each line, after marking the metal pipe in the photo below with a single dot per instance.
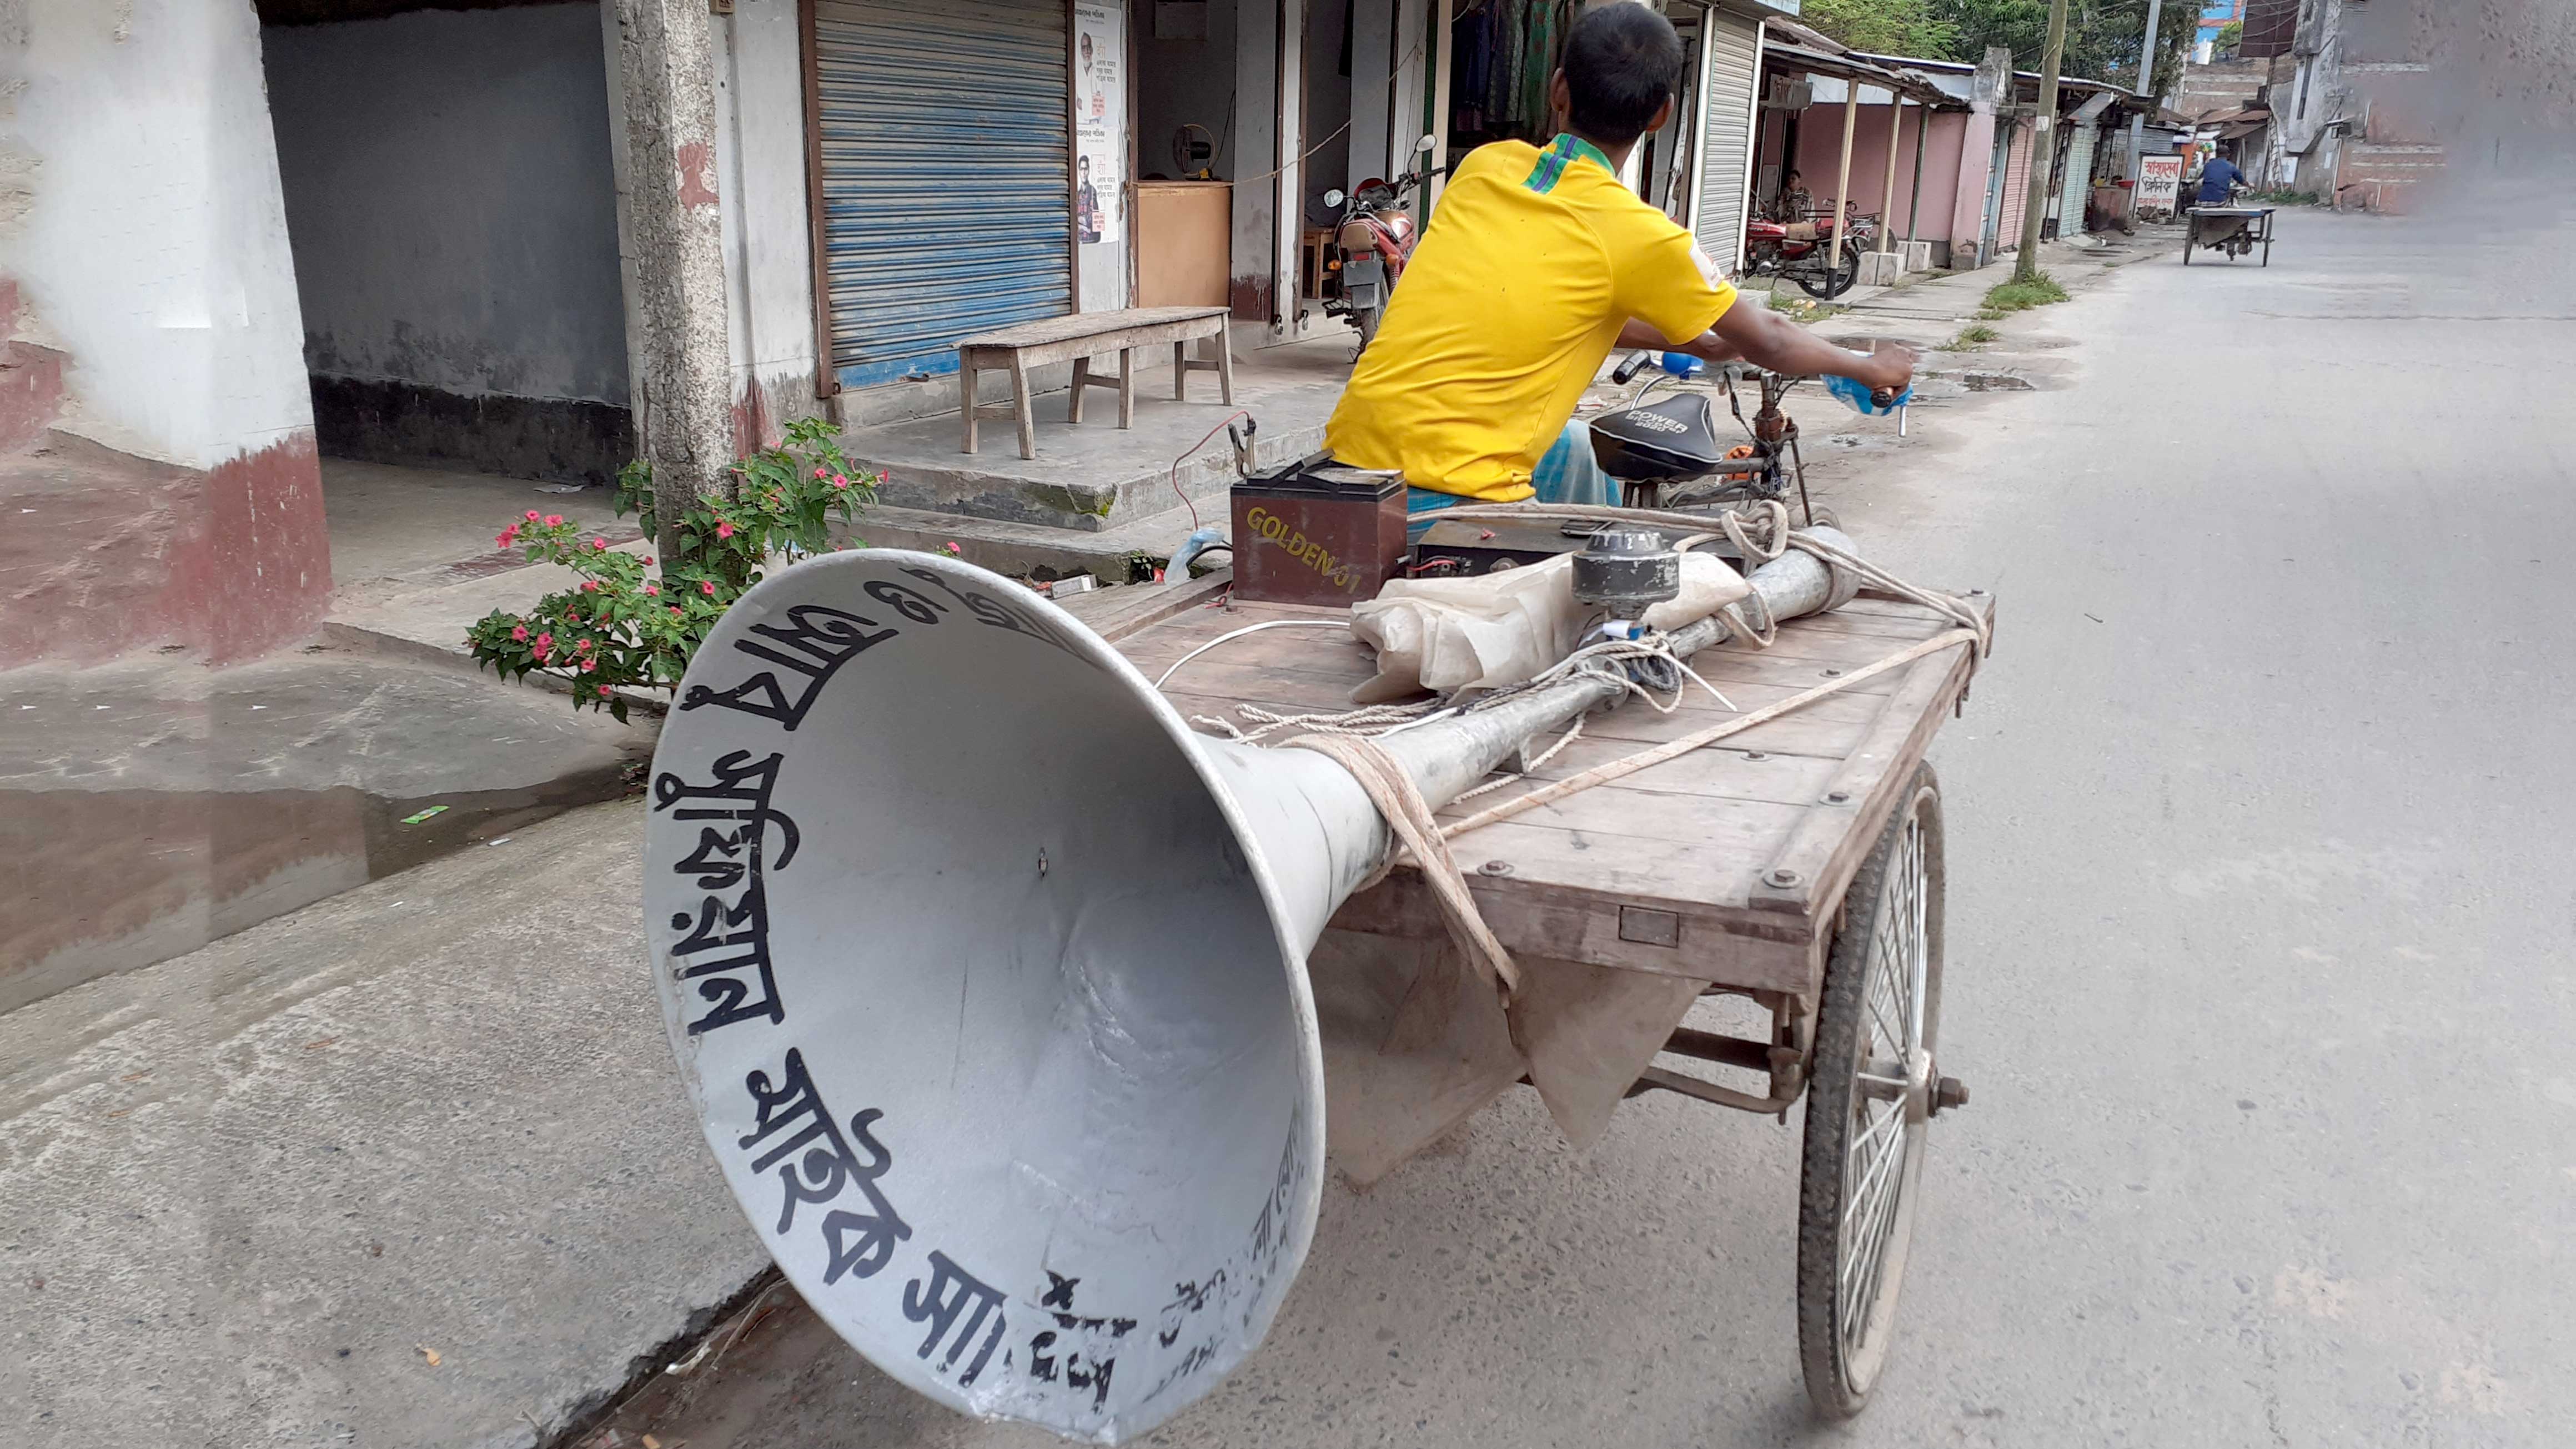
1451 755
1728 1051
1895 137
1914 208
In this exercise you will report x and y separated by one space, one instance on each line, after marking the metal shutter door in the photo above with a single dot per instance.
2079 181
947 190
2016 190
1726 141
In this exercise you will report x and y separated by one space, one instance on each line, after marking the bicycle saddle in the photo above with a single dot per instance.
1670 441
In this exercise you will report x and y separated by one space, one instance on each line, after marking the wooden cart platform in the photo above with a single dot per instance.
1747 844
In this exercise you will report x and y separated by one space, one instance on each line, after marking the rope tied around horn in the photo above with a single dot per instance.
1409 818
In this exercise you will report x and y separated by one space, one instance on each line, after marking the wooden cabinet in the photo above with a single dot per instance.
1184 243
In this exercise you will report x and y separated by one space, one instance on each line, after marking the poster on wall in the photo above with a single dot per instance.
2159 181
1100 120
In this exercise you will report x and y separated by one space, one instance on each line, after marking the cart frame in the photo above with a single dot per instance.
2235 230
1837 935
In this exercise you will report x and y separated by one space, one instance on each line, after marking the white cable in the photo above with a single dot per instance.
1248 629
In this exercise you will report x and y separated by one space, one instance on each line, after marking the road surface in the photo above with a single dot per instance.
2263 895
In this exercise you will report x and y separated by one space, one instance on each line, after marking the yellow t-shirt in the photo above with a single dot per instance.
1532 263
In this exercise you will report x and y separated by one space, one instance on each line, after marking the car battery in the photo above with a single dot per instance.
1317 532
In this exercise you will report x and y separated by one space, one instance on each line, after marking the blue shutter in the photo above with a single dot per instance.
947 193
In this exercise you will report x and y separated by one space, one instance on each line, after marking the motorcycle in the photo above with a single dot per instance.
1371 242
1808 253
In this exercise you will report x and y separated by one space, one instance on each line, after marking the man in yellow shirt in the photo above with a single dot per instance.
1537 263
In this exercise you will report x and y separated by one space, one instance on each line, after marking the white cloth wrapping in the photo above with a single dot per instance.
1501 629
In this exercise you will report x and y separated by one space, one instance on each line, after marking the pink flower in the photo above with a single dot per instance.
604 691
600 544
532 515
953 548
838 481
582 647
820 475
708 588
648 560
520 634
675 608
652 591
590 586
588 665
545 646
554 520
507 536
724 530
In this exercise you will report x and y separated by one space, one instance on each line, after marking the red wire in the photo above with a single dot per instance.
1185 457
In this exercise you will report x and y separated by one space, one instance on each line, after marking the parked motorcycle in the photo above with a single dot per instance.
1371 242
1808 253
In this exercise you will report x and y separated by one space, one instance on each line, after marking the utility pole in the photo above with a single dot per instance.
2043 145
2146 89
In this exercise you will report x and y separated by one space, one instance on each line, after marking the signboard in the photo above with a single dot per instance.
1100 121
2159 183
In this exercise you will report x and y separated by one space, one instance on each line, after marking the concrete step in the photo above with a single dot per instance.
1095 476
1035 549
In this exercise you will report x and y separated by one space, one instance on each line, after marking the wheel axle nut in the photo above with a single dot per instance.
1782 878
1949 1093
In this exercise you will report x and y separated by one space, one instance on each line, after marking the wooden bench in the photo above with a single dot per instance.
1082 336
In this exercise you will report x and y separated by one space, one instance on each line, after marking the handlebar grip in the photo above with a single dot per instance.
1628 370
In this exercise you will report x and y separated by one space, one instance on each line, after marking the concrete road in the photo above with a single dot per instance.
2263 895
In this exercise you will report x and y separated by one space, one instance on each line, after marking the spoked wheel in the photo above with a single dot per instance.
1874 1090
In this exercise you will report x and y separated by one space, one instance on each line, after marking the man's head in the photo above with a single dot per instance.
1083 164
1622 65
1794 181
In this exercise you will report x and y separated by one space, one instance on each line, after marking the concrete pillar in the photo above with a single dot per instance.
670 212
1977 161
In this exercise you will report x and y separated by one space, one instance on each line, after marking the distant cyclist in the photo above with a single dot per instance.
2218 181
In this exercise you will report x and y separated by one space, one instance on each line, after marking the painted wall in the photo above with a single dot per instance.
1184 81
768 232
1820 141
450 192
147 269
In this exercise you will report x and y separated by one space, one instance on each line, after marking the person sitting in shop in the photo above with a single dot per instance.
1536 264
1793 203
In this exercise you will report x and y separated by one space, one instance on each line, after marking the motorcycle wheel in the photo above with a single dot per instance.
1367 318
1836 282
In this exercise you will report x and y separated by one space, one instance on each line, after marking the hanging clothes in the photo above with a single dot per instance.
1471 66
1543 35
1503 85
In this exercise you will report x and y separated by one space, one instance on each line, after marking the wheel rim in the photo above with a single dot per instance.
1890 1105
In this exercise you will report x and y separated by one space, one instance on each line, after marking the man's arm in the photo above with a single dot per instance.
1639 336
1765 338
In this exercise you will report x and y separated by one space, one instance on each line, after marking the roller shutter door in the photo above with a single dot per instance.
1735 48
947 192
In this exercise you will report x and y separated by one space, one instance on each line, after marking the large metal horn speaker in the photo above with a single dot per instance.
986 980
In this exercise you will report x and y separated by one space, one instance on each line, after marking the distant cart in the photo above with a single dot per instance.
2235 230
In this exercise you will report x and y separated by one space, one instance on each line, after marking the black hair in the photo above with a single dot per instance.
1622 62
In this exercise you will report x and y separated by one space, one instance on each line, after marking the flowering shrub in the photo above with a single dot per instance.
623 627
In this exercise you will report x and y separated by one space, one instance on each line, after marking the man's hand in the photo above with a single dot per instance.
1767 339
1887 371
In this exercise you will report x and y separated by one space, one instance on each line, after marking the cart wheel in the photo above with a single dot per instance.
2186 251
1874 1090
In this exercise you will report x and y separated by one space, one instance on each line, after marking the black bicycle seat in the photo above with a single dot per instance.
1671 440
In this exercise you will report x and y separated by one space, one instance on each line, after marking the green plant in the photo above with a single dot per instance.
624 627
2006 298
1975 334
2286 196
